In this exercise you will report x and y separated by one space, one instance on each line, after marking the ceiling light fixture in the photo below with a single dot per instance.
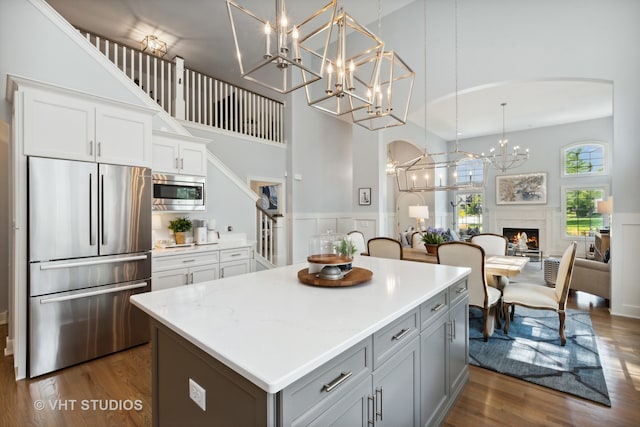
504 160
350 71
450 170
270 50
154 45
391 94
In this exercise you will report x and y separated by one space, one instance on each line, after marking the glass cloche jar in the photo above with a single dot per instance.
330 254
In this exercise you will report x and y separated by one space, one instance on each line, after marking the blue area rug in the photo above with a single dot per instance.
532 352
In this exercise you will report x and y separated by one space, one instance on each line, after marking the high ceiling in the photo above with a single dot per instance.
199 31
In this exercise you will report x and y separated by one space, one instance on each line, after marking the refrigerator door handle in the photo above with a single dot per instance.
103 239
97 262
92 225
93 293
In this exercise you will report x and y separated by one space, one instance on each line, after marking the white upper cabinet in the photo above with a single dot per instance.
68 126
179 154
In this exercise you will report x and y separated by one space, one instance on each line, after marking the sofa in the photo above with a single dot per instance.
593 277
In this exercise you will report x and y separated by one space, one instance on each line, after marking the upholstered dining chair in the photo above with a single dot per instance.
357 239
493 244
384 247
543 297
481 295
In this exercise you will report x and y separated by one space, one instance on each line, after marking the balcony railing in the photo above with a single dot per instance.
193 96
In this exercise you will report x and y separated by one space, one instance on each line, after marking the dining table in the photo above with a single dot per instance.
500 266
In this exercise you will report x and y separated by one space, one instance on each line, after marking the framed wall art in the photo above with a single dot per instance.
524 189
364 196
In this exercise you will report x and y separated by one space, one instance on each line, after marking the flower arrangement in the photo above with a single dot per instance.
434 236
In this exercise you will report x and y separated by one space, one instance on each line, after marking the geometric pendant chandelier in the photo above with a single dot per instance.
391 95
269 46
351 66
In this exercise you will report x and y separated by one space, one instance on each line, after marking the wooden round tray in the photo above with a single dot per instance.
329 259
356 276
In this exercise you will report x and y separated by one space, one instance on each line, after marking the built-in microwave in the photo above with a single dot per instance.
178 193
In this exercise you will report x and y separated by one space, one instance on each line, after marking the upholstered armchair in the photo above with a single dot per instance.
543 297
593 277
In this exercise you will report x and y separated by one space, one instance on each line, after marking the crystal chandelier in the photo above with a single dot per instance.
282 49
350 70
504 160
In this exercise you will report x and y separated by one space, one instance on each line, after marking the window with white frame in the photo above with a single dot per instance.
468 212
469 170
584 158
579 207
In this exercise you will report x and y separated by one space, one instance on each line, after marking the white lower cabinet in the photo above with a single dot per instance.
186 268
235 261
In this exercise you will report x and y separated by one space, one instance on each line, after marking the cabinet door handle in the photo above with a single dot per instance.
437 307
401 334
460 290
99 148
182 163
335 383
91 148
177 163
191 278
371 409
379 412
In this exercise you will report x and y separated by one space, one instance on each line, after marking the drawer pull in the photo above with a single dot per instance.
460 290
236 254
189 260
400 334
437 307
335 383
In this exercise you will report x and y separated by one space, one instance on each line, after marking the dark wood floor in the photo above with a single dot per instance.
489 399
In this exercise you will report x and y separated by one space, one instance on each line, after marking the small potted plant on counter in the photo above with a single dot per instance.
432 238
346 248
180 226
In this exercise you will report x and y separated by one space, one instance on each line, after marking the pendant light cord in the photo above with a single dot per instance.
456 68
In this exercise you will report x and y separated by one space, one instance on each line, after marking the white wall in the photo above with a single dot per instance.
320 174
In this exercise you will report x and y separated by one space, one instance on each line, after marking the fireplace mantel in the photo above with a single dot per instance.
540 217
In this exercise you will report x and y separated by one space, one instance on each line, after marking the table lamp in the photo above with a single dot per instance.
606 207
420 213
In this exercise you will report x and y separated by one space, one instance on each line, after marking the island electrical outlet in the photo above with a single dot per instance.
198 394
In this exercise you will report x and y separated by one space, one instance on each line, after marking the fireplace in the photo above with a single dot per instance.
513 235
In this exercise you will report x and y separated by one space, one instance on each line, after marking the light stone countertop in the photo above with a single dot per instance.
160 252
273 330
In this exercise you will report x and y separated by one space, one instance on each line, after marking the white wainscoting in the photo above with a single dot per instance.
307 225
625 268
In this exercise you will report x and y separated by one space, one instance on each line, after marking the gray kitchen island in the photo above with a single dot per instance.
263 349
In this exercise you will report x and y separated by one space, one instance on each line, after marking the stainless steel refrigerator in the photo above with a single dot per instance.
89 251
